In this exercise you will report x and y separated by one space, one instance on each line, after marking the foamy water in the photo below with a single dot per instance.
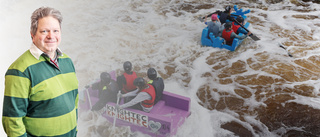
228 90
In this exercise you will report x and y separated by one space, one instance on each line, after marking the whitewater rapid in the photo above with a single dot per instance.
228 90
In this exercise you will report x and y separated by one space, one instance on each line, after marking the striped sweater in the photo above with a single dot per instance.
40 99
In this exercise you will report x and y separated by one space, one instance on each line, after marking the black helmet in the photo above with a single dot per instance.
240 19
139 82
152 73
127 66
105 77
227 25
228 8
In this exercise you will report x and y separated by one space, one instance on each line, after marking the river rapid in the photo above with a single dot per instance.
257 90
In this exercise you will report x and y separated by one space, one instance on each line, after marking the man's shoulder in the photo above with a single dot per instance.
64 55
158 79
24 61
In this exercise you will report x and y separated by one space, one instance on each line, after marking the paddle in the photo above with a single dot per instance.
254 37
115 117
281 46
202 18
216 12
88 95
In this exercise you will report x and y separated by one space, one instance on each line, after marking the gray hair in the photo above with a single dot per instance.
43 12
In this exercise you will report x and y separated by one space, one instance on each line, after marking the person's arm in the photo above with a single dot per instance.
234 35
205 20
243 31
15 103
139 98
130 94
221 28
230 18
95 86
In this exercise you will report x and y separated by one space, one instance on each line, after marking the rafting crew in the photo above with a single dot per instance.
143 96
108 89
223 25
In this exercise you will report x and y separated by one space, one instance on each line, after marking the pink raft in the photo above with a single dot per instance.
163 120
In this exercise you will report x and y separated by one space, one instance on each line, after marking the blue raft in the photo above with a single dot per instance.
218 42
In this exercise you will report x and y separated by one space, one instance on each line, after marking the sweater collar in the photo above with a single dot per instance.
36 52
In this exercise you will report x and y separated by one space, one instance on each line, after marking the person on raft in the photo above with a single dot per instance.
214 26
156 82
125 81
108 89
143 99
225 16
229 35
237 27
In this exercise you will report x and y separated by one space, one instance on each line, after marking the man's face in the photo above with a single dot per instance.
48 35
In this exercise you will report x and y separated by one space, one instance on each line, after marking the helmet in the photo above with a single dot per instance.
152 73
105 77
139 82
240 19
127 66
227 25
214 17
228 8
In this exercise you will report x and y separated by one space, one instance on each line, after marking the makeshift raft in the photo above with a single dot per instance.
163 120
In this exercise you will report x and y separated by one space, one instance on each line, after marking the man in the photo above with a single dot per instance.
108 89
214 26
226 15
156 82
125 81
229 35
237 27
41 87
144 96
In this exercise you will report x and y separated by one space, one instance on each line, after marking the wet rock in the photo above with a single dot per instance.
236 68
273 1
314 1
206 98
237 129
232 103
296 119
243 92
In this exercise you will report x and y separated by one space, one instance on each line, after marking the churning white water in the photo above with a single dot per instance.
239 93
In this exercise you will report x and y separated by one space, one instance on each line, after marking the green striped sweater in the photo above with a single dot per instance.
39 99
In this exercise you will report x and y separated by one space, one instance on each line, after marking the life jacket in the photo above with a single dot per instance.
158 87
235 28
129 80
152 93
223 17
227 36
